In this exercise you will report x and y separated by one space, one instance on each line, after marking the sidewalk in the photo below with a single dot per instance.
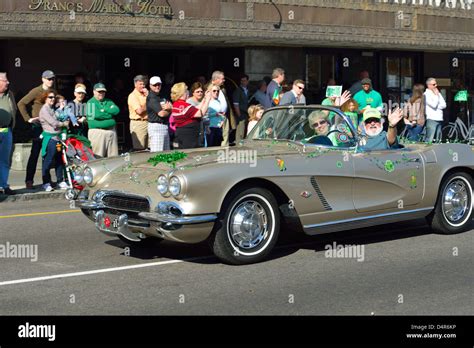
16 180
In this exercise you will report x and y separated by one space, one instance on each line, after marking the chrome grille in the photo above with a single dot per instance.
126 202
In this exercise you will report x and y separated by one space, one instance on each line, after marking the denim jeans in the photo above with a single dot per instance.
413 132
6 143
52 156
433 130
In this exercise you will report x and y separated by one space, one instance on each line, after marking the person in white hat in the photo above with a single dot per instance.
78 107
158 111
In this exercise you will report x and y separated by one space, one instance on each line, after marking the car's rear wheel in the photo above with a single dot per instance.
248 227
453 212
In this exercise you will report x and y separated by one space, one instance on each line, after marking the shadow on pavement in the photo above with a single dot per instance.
292 242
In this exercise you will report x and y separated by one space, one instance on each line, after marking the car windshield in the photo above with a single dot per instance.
308 125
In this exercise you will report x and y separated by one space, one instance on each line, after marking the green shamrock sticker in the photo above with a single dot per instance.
389 166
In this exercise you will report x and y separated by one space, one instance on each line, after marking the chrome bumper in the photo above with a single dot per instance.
187 229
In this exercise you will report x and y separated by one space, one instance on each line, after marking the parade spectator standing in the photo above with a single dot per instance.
119 96
218 78
260 96
216 118
414 113
434 106
368 98
158 111
357 86
78 107
241 105
255 114
350 108
33 99
275 86
138 113
295 96
7 123
186 116
197 94
52 128
100 117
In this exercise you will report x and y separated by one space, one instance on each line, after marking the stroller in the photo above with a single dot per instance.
76 150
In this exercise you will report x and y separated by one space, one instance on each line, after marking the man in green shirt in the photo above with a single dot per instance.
33 100
7 122
368 98
100 118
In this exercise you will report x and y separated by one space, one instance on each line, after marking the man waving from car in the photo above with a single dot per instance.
377 138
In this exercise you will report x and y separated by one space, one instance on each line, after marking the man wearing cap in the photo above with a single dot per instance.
138 113
368 98
78 107
158 111
33 100
100 117
376 138
7 122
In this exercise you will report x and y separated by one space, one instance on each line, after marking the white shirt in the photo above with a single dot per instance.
435 105
223 103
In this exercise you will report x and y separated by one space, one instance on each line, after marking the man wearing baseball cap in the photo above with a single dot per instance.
33 100
100 118
368 97
158 117
78 107
377 138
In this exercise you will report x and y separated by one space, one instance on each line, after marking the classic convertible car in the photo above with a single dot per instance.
239 198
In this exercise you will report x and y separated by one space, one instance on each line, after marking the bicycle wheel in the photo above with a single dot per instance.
449 133
463 131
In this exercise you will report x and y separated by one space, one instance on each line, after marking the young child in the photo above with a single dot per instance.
64 112
255 114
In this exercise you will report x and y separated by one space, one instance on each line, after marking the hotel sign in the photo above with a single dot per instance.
135 7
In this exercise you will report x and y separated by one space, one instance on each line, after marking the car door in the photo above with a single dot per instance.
387 180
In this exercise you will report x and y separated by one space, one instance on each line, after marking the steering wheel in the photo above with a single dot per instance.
319 140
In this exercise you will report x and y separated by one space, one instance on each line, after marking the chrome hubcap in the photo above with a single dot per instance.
456 201
248 224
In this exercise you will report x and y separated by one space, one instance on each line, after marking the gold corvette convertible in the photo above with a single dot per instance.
239 198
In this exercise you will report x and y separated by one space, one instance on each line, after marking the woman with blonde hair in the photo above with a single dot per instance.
186 117
255 114
414 113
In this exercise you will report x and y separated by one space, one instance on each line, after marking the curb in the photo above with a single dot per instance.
21 197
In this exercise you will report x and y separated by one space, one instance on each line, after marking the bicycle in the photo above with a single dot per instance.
457 131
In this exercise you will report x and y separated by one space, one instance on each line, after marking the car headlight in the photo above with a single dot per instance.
88 176
162 184
79 175
175 186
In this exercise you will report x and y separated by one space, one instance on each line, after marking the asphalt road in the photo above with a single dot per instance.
406 270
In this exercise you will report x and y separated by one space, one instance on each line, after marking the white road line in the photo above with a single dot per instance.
97 271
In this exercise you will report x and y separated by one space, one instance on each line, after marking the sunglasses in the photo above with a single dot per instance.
199 91
300 87
156 85
50 79
215 91
372 120
320 123
51 97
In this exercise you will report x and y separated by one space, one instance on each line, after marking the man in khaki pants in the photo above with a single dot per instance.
138 114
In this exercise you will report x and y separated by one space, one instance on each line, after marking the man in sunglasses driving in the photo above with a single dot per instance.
377 138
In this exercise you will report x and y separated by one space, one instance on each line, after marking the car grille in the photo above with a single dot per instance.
126 202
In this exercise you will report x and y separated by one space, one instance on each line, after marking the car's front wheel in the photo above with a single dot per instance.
248 227
453 212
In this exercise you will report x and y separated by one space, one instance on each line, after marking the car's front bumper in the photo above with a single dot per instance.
136 226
